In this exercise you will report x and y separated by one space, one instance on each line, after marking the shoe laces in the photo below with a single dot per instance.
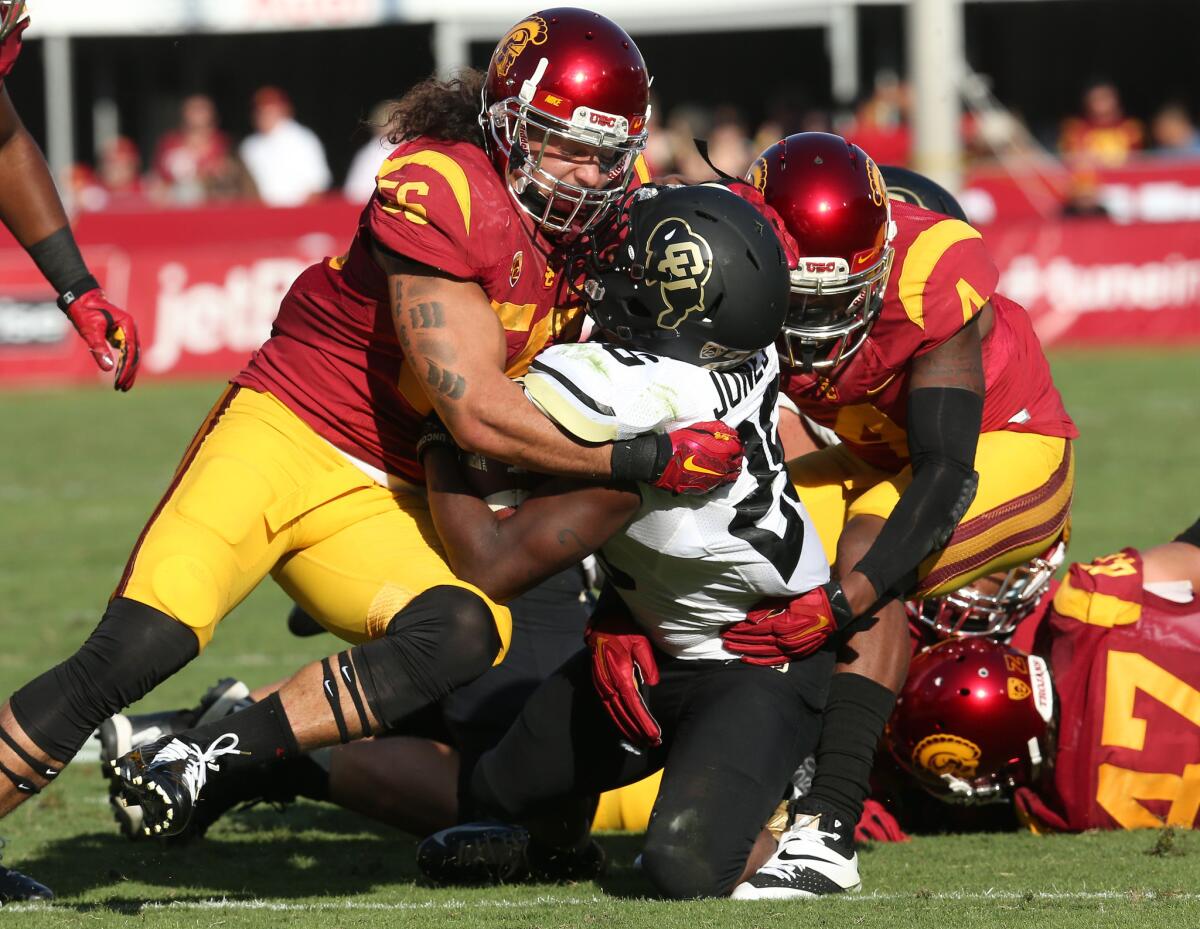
804 830
197 762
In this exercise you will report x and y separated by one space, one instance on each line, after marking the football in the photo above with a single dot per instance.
502 486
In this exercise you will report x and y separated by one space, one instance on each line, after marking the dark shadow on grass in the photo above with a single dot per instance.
308 850
621 879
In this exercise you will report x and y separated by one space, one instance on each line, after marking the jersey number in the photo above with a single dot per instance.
1119 789
783 552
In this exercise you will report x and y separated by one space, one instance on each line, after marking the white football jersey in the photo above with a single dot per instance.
689 565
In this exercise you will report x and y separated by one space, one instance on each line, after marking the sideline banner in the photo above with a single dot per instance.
205 284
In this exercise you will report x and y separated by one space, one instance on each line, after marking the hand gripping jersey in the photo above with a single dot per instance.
687 566
1126 670
333 356
941 277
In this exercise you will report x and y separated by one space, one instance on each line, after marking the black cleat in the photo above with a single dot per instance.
16 887
496 853
165 778
121 734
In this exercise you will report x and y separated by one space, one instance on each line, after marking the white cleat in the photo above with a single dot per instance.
816 857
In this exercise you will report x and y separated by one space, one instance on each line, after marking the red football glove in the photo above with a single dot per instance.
101 324
751 194
703 457
778 631
621 654
10 48
878 825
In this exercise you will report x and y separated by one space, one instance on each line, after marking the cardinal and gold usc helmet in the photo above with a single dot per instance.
565 79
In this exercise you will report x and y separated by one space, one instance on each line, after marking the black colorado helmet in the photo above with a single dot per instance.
692 273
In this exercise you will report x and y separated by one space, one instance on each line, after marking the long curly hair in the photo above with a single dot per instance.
445 110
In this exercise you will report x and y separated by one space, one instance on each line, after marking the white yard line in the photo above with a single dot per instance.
399 906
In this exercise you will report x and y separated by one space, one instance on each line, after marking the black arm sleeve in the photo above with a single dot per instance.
943 431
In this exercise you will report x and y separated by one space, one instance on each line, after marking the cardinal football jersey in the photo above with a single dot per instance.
687 566
941 278
1126 672
333 357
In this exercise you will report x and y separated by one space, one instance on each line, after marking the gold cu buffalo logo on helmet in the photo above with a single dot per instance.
875 178
943 753
528 32
679 262
758 175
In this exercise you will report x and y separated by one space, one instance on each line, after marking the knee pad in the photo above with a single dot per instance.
675 862
133 649
444 638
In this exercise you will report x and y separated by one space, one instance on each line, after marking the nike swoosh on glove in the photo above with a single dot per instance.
703 457
101 324
778 631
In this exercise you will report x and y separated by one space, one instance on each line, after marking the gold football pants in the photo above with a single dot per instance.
1023 503
258 492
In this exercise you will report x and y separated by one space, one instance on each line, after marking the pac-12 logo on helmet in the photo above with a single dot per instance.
679 261
531 31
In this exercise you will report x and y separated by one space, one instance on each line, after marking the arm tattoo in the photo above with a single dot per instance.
426 316
450 385
570 536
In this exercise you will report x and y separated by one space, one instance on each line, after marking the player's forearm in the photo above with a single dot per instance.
29 202
503 424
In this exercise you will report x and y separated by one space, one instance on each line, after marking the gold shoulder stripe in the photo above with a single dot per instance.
641 169
923 256
444 165
1095 609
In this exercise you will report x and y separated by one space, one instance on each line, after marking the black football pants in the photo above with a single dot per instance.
733 734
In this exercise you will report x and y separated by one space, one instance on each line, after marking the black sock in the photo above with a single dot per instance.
263 732
855 714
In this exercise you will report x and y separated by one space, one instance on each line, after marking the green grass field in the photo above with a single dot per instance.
81 470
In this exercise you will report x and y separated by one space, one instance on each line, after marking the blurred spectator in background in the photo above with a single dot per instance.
120 174
729 143
880 125
195 162
1174 133
286 160
1084 196
1103 135
360 179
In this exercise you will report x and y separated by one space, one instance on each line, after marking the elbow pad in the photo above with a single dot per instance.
943 433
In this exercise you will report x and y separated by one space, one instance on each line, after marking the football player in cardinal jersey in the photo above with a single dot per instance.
695 290
1124 623
955 457
307 467
33 213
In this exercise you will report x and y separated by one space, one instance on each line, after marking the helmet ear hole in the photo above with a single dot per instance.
637 309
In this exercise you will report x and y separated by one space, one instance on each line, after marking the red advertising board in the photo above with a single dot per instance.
205 284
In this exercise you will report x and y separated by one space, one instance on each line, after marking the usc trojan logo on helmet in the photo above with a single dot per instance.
942 753
878 188
679 261
532 31
757 175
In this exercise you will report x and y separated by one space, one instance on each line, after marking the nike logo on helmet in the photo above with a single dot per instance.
689 464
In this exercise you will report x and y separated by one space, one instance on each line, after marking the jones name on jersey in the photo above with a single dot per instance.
687 566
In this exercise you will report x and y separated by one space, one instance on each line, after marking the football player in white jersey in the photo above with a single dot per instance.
688 303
